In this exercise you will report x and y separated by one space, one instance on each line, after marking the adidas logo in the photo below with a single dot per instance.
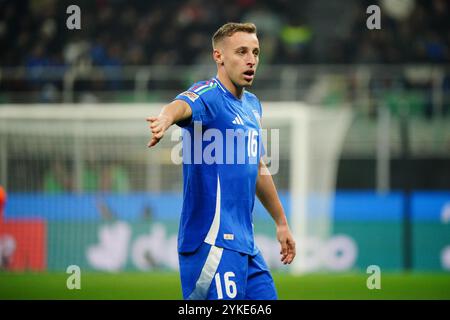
238 120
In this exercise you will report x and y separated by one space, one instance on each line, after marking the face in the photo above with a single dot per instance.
239 56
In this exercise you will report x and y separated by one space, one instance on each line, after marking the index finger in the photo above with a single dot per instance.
292 251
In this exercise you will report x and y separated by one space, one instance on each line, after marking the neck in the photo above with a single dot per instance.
235 90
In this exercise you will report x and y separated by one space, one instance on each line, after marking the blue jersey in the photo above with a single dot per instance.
221 153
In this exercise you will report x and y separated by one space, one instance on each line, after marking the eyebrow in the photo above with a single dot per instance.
247 48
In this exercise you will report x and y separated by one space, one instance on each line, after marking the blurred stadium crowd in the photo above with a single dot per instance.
117 35
119 32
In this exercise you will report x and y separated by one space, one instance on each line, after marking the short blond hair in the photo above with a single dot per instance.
230 28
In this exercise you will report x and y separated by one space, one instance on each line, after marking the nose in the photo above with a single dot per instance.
251 60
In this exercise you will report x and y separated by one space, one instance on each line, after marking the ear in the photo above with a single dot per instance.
217 56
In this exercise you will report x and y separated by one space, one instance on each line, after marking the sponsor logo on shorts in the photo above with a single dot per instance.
228 236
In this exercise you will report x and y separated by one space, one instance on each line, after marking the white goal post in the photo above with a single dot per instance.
316 140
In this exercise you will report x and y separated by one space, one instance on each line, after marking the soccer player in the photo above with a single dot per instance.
218 258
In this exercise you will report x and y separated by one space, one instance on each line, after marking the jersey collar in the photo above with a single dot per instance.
226 91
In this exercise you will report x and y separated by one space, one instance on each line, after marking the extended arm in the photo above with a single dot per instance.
267 194
170 114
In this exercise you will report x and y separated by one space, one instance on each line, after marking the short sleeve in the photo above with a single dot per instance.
202 110
197 106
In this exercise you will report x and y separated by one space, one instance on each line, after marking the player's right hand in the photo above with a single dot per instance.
158 126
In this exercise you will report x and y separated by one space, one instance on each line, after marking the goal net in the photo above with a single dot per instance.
83 188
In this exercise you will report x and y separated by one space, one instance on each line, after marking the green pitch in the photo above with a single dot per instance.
166 286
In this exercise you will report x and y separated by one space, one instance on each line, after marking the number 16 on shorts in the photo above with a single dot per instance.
226 282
